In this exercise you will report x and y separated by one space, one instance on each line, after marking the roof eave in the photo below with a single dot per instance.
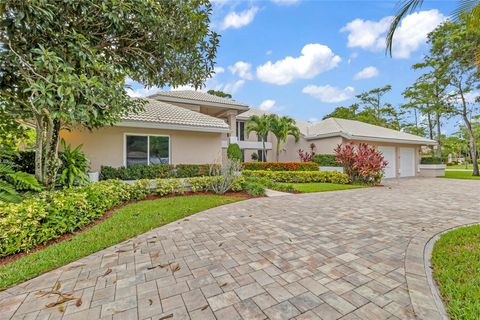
161 97
394 140
368 138
168 126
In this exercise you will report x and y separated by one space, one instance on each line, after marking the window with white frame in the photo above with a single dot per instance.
146 149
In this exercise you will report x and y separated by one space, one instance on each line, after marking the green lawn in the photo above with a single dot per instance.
460 166
125 223
321 187
456 268
460 175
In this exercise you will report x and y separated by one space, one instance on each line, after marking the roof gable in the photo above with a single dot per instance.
197 97
161 114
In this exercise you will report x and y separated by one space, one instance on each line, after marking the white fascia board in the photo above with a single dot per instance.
166 126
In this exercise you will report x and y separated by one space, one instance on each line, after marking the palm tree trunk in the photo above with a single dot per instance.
278 150
264 156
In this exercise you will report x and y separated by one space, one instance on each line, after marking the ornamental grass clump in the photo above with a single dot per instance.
363 163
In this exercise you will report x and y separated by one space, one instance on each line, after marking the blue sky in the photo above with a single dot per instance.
304 58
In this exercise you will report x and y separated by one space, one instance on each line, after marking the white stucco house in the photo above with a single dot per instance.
192 127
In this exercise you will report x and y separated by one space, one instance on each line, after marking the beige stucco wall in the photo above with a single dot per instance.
105 146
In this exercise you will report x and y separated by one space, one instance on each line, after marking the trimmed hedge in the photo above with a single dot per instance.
326 160
38 220
155 171
431 160
281 166
299 176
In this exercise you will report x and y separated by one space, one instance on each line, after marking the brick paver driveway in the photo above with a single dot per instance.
311 256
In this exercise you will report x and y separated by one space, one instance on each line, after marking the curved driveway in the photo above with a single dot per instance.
311 256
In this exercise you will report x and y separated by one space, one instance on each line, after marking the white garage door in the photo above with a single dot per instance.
389 155
407 162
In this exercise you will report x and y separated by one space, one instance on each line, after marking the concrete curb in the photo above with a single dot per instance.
424 294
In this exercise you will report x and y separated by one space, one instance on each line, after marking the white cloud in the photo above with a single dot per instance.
367 34
267 105
142 92
269 52
237 20
233 87
366 73
314 59
285 2
409 36
413 31
329 94
218 70
243 69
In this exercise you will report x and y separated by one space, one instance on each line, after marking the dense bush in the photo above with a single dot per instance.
192 170
25 161
361 162
281 166
49 215
136 172
431 160
234 152
154 171
299 176
326 160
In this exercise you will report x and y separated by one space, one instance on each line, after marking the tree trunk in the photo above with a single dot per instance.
473 146
278 150
430 129
472 143
39 128
439 133
264 156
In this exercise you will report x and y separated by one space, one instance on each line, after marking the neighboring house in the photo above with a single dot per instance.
195 128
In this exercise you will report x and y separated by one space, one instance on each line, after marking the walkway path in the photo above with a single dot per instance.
312 256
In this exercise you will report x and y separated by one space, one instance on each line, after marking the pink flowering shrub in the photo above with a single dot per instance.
361 162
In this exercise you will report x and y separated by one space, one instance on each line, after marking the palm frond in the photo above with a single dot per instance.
403 8
8 192
24 181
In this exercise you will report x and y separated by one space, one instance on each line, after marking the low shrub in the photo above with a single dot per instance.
361 162
192 170
281 166
254 189
136 172
234 152
326 160
299 176
431 160
49 215
155 171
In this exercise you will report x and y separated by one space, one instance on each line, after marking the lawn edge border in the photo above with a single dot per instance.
422 289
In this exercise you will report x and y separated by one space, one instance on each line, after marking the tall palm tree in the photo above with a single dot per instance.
282 127
261 126
468 9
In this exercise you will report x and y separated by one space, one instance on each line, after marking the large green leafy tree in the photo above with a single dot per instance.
64 63
429 96
371 108
453 50
282 128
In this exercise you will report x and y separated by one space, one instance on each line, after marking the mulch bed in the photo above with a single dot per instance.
108 214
